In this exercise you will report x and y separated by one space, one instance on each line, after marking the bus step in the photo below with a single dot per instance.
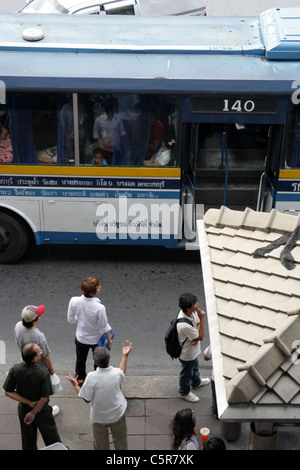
245 195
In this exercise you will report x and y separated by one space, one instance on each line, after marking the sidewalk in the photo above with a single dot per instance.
152 403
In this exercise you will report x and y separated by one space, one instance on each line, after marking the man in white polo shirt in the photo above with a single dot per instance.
102 388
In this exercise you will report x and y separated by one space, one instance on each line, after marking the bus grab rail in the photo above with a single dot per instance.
261 192
224 152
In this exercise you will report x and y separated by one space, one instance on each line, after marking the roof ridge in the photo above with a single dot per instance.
267 221
256 371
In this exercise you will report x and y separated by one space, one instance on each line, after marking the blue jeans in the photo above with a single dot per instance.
189 376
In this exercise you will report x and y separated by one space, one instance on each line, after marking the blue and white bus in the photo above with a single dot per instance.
115 129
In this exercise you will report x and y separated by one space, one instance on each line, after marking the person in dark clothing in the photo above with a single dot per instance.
29 383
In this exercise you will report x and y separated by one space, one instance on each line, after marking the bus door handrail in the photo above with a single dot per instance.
262 188
224 152
261 192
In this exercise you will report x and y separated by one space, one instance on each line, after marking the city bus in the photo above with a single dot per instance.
122 130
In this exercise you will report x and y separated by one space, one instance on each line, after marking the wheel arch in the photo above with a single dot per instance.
25 221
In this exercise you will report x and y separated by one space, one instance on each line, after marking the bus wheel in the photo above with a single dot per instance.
13 239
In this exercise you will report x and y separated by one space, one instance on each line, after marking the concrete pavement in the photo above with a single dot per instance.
152 403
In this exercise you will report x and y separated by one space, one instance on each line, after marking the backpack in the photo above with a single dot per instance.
173 347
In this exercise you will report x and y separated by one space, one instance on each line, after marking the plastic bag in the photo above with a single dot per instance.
56 384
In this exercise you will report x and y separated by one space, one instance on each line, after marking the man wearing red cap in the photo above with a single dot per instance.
26 332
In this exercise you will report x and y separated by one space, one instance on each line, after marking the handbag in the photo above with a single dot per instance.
56 384
103 340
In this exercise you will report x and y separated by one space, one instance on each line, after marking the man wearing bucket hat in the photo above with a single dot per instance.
26 332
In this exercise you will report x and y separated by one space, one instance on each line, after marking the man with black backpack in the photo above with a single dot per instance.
189 337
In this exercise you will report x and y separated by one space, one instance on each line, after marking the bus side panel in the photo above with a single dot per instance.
113 221
288 193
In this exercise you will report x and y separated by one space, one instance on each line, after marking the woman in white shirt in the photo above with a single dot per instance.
90 315
163 156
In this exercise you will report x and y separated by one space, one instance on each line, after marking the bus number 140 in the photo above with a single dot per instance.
239 107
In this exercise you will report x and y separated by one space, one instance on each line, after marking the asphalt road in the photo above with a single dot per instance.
140 289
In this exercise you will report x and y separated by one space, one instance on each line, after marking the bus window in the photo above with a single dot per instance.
125 129
19 119
292 158
53 128
40 128
6 152
67 129
44 126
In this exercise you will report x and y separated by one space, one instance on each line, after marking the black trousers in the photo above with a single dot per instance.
82 351
43 421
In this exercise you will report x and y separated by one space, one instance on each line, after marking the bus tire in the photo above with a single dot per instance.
14 239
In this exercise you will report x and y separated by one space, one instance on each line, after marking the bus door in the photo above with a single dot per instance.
268 188
188 205
231 141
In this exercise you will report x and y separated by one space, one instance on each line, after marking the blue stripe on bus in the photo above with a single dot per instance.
88 194
98 182
288 197
81 238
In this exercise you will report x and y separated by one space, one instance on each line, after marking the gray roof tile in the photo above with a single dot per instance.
252 330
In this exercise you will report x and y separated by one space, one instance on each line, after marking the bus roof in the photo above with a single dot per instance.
185 54
92 34
275 34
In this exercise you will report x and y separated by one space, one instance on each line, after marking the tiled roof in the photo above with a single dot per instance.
253 309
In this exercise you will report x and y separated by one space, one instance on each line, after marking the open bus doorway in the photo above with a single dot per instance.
231 162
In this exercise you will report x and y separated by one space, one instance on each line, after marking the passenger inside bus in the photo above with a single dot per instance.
157 132
109 132
164 155
48 156
98 158
6 153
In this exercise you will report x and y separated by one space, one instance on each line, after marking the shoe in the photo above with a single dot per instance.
55 410
190 397
80 382
204 381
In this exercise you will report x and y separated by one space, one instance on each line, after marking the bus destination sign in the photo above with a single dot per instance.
234 105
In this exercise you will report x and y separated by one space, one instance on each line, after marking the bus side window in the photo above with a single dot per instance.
44 124
161 150
19 121
53 128
125 128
